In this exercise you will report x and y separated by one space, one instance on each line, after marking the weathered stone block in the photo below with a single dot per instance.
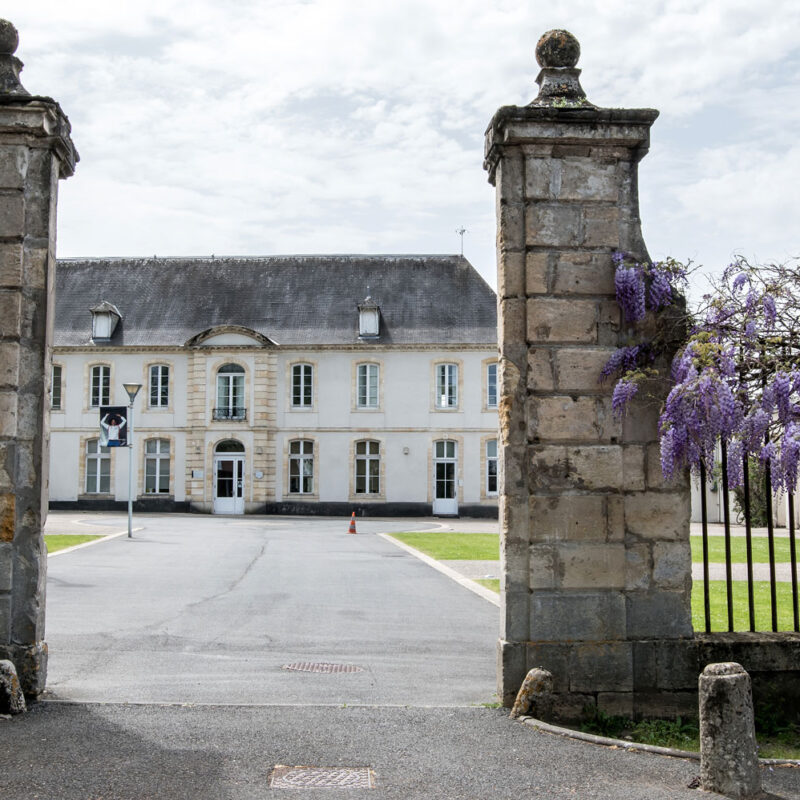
12 214
554 658
556 616
35 266
578 370
659 614
540 176
633 468
587 468
574 517
601 667
543 567
10 264
677 664
9 363
8 414
665 704
511 670
511 321
615 509
5 619
658 515
672 565
536 272
617 704
556 225
584 565
511 227
540 371
579 272
6 569
509 176
510 273
586 179
601 226
13 167
638 570
654 475
570 419
556 320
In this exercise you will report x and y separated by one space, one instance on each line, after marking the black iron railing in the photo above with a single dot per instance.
733 530
236 414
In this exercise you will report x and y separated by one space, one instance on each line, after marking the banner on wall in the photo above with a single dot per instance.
113 426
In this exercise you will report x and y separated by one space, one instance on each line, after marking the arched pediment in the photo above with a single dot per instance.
226 335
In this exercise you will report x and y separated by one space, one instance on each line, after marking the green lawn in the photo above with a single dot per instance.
55 541
716 550
741 622
454 546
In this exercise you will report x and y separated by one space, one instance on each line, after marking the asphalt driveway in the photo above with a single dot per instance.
198 609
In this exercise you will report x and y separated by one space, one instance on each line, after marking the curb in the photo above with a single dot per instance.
482 591
93 542
624 744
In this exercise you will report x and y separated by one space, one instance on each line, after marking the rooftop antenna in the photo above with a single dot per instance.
461 232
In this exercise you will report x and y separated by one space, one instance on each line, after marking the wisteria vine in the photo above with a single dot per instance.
737 376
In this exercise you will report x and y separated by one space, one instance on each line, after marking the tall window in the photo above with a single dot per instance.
302 386
447 385
230 393
55 388
301 466
491 466
491 386
156 466
159 386
100 386
98 468
367 386
368 467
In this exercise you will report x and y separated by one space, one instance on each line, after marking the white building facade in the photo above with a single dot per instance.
278 385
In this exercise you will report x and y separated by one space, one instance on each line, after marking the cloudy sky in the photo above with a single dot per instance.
257 127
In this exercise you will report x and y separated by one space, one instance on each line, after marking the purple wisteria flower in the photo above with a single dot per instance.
624 392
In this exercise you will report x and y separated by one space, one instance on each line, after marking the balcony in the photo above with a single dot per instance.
230 414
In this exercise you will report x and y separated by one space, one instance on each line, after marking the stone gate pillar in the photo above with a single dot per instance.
35 151
595 547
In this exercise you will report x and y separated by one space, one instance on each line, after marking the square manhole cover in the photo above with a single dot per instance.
283 777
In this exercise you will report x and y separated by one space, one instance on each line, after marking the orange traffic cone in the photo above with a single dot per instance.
352 523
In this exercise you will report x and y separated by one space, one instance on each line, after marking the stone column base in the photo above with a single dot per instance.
31 665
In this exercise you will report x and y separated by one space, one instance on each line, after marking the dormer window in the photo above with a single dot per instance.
105 317
369 319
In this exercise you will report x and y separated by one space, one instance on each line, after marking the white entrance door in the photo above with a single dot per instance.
445 494
228 484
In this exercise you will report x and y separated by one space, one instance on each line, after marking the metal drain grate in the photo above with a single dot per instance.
283 777
310 666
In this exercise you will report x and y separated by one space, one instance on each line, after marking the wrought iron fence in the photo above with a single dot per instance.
747 516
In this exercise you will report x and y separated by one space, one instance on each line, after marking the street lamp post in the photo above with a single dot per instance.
132 389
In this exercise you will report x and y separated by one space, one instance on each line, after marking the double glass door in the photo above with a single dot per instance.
228 484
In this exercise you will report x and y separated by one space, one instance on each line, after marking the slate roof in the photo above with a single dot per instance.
292 300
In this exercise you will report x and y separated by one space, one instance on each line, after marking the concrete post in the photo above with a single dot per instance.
728 754
595 546
35 151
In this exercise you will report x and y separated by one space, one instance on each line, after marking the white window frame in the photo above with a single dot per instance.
368 376
301 466
56 385
99 385
369 475
158 385
491 468
160 459
491 385
99 456
231 387
446 386
302 387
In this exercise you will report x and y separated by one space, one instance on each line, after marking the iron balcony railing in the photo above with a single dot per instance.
234 414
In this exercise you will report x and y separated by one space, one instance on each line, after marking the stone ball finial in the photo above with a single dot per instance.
9 38
557 48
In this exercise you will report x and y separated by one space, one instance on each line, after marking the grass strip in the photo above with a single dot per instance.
454 546
61 541
716 550
741 620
